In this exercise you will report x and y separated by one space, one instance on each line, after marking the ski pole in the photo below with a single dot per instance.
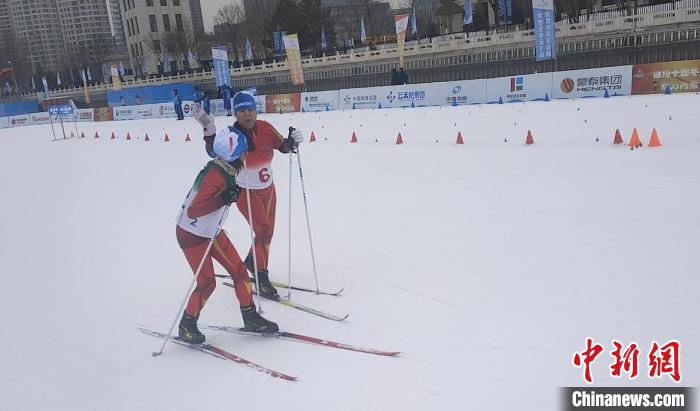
252 239
289 253
194 280
308 225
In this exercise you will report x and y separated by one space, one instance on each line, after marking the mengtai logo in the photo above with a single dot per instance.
517 83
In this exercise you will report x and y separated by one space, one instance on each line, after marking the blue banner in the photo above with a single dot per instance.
468 17
509 11
222 71
545 40
278 39
501 12
147 95
20 107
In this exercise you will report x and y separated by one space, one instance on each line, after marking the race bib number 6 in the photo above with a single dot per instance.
264 175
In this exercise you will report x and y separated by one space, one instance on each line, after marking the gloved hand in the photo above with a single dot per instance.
297 136
230 194
206 120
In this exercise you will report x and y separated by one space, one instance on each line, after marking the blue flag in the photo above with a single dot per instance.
468 15
545 40
413 23
191 58
363 34
324 44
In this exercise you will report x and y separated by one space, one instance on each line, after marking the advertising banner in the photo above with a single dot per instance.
20 107
319 100
148 95
401 22
545 40
369 97
592 82
19 121
456 93
519 88
291 44
285 103
678 76
261 102
104 114
84 114
222 71
39 118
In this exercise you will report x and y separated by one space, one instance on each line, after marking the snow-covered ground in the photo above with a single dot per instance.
487 264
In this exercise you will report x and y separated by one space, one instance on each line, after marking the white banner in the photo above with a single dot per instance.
217 107
39 118
18 121
124 113
319 100
360 97
592 82
4 123
456 92
519 88
84 114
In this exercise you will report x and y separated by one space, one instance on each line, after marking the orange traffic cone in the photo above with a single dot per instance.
113 136
128 136
97 135
72 135
459 138
654 141
529 139
618 137
188 137
313 137
82 135
146 139
166 137
634 140
354 138
399 140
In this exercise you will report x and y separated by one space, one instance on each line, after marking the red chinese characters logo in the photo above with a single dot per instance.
662 360
586 357
665 360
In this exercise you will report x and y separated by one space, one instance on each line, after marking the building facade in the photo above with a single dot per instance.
159 33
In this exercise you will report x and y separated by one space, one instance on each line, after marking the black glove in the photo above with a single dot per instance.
230 194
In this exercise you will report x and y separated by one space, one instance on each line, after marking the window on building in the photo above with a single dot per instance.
178 22
149 3
156 46
124 4
166 22
163 3
128 27
136 24
152 20
176 2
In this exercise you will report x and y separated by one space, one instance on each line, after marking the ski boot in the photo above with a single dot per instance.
188 330
267 290
253 321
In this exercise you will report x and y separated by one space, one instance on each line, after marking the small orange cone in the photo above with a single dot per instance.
72 135
354 138
618 137
166 137
146 139
529 139
113 136
82 135
313 137
654 141
459 138
128 136
399 140
634 140
97 135
188 137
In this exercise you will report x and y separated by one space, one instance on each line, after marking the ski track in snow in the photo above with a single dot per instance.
487 264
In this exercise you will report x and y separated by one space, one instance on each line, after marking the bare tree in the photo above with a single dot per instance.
229 19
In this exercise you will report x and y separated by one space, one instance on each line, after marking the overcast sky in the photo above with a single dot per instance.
210 7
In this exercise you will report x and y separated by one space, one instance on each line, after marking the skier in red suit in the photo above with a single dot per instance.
257 176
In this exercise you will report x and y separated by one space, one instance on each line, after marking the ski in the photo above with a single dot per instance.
283 335
277 284
300 307
219 353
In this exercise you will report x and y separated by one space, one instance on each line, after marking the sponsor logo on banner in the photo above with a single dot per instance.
39 118
144 112
123 113
84 114
592 82
678 76
104 114
517 84
364 100
286 103
406 97
519 88
18 121
319 101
